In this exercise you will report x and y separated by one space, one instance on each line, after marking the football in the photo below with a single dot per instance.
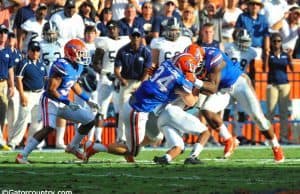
116 148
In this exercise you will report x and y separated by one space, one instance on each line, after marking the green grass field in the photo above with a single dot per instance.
250 170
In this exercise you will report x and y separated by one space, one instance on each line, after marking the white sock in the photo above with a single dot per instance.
98 134
224 132
91 134
76 139
169 158
274 142
197 149
60 133
31 145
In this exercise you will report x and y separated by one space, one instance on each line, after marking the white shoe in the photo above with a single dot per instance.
60 146
75 151
20 159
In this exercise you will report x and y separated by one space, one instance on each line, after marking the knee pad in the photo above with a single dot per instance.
84 129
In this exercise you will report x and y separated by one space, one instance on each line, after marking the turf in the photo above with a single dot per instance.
250 170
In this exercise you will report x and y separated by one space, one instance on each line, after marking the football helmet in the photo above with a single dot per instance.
242 39
50 32
198 53
171 29
187 64
76 51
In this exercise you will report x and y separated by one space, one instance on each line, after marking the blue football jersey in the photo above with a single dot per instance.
229 74
160 89
67 72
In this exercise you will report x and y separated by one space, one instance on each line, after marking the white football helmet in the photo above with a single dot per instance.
242 39
171 29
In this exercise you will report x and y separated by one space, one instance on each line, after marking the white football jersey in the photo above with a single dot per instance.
168 49
110 47
243 57
91 48
50 51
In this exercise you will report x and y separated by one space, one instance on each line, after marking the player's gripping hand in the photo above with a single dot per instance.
73 106
93 105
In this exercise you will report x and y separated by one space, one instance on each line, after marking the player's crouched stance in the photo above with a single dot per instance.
63 77
172 80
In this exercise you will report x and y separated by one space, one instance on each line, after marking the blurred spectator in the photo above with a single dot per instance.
278 88
296 53
129 22
131 66
16 57
158 7
188 23
31 75
118 7
206 37
243 5
6 82
32 27
68 22
169 11
289 28
275 10
146 19
105 17
256 26
214 15
22 15
7 10
88 13
231 14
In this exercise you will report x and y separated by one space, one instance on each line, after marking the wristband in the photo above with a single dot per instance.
64 99
198 83
84 96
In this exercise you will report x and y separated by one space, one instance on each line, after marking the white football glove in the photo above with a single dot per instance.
73 106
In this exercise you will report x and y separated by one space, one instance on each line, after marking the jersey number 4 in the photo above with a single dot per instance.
162 81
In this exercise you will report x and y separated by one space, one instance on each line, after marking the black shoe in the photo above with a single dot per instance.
192 160
160 160
243 140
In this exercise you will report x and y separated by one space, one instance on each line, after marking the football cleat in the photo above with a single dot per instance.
230 146
20 159
4 148
278 154
75 151
88 151
161 160
129 158
60 146
192 160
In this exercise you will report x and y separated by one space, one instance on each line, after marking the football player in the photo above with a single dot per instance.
63 77
172 42
224 79
103 63
240 51
51 50
171 80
